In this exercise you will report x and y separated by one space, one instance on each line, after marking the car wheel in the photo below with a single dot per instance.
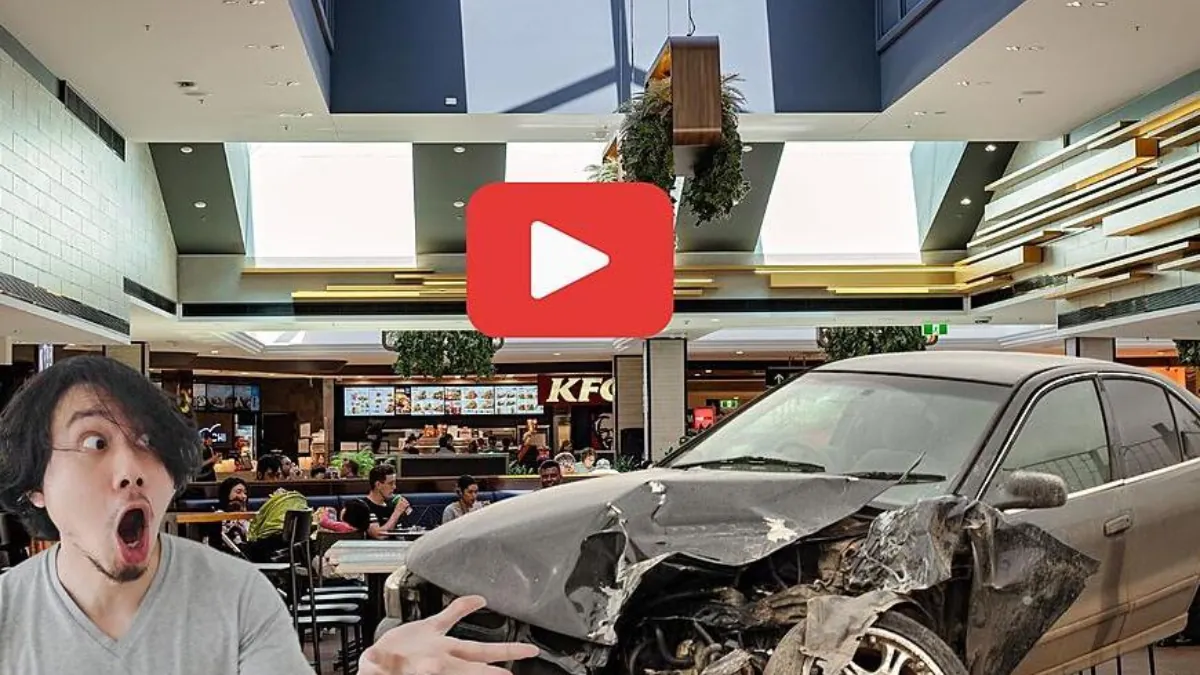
896 645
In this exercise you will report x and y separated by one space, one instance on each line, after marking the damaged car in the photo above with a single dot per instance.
928 513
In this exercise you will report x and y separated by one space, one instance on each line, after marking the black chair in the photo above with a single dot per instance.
313 612
14 542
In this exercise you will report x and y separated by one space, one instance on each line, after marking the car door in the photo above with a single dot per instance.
1163 555
1063 431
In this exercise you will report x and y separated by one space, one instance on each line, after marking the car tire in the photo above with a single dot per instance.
893 636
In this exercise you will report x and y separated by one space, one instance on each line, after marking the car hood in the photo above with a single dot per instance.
566 559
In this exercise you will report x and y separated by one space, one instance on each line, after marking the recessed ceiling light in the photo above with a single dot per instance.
1035 48
200 205
920 113
1074 3
1013 48
256 3
187 149
739 352
708 371
293 83
253 46
459 149
965 201
1033 92
963 83
458 204
229 2
276 48
274 84
215 351
451 100
1100 3
939 112
990 147
747 148
557 353
716 321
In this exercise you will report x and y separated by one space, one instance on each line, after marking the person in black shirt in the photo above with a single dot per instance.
381 510
209 458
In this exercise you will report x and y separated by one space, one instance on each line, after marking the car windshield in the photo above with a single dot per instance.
869 425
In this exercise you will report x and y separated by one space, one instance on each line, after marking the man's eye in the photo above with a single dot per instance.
93 442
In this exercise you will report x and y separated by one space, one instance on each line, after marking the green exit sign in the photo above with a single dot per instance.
934 329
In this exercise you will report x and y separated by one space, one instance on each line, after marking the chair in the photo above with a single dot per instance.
311 611
14 542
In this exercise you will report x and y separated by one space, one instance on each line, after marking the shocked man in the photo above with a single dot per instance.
91 454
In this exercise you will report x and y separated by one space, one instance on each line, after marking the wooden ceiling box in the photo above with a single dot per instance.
694 66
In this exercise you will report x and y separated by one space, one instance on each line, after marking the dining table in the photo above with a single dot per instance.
374 559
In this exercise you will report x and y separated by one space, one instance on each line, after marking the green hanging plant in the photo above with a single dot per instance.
849 342
646 153
1189 352
438 353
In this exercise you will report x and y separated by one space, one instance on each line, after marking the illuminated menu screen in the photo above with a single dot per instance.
428 400
517 400
369 401
471 400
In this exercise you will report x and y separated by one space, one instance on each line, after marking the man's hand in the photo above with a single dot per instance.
422 648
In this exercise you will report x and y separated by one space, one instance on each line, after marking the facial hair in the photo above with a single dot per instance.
122 575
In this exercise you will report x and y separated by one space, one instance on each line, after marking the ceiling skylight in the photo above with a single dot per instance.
842 203
551 162
331 203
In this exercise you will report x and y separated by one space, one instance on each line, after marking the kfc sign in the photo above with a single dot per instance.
579 389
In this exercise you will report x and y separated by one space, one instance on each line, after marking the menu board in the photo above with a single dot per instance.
403 401
369 401
245 397
517 400
220 397
428 400
471 400
199 396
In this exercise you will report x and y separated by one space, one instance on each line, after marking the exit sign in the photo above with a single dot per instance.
934 329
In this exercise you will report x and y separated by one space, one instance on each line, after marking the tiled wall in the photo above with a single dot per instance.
74 218
665 391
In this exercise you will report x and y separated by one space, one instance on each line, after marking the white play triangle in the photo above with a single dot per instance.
558 260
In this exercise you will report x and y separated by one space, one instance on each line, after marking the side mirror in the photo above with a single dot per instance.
1031 490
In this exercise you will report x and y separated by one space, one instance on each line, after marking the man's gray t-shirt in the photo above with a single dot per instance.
205 612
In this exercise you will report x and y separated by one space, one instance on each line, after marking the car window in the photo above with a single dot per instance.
860 423
1142 411
1064 435
1189 428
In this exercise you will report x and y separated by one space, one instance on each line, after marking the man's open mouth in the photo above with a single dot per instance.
133 534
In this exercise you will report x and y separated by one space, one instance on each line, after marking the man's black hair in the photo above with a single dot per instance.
379 474
549 464
465 482
225 488
26 446
205 435
352 465
268 463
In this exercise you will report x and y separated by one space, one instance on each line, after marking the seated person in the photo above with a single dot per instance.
349 469
549 473
468 500
230 536
381 510
269 468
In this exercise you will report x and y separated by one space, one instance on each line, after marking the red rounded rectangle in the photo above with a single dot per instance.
570 260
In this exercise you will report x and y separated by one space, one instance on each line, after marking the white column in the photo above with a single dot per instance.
6 351
136 355
664 387
1104 349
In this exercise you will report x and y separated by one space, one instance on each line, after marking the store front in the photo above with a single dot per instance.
582 409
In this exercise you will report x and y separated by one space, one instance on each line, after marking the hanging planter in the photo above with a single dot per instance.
849 342
684 124
1189 352
437 353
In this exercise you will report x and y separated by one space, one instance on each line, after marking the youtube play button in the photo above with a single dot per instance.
559 260
570 260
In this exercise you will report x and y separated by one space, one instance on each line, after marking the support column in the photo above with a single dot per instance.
6 351
135 355
664 386
1104 349
327 407
627 406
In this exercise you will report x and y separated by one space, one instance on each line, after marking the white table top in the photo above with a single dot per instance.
368 556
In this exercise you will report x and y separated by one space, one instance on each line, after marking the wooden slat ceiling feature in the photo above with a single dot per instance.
1108 163
1097 285
1131 181
332 270
1190 262
1058 158
1031 239
1171 208
1001 264
1151 257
